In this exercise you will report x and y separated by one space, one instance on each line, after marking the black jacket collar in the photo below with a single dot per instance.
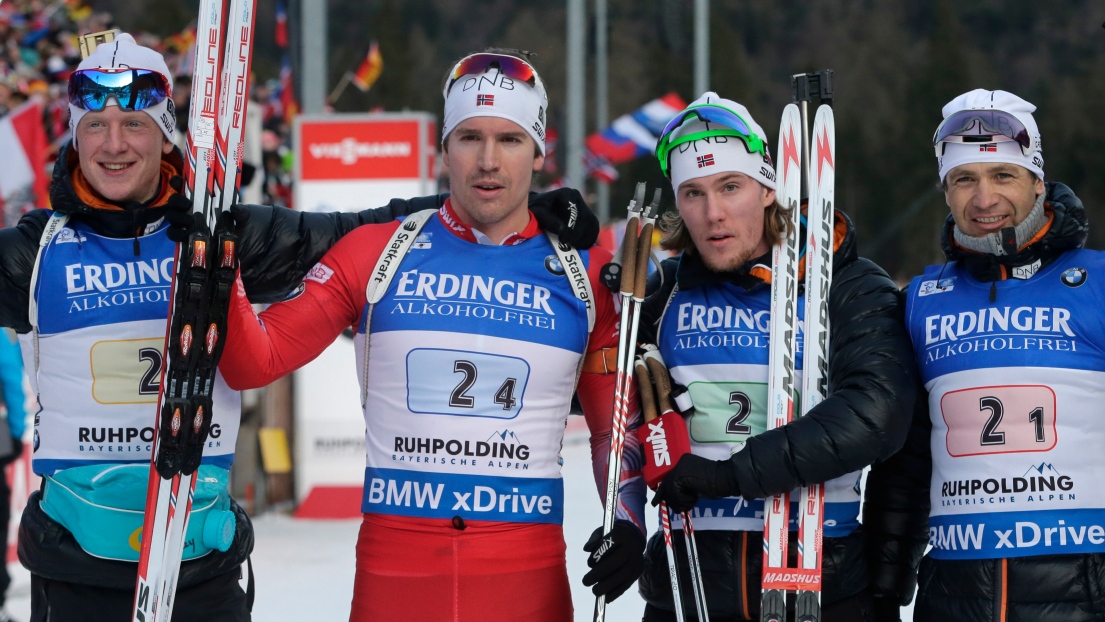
129 222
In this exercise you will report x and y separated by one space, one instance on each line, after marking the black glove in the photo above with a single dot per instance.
695 476
564 213
887 609
616 560
182 222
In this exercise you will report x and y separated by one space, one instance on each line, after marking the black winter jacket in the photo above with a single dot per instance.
1046 588
277 247
872 380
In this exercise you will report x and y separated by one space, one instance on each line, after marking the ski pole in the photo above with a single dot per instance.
662 379
632 293
648 407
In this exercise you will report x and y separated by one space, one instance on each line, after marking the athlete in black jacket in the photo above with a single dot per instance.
1005 229
728 221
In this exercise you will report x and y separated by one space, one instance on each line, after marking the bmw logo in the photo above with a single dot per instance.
36 441
552 264
1073 277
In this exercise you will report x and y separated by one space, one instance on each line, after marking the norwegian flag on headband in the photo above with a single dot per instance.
993 148
706 160
485 100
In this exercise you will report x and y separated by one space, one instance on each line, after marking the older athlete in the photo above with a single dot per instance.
1004 460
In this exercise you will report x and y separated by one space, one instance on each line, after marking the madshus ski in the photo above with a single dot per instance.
812 164
201 291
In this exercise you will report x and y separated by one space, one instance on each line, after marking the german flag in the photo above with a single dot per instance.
370 69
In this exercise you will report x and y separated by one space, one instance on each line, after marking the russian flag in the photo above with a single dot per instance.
23 180
634 135
281 24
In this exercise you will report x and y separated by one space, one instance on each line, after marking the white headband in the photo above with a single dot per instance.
493 94
1006 152
718 154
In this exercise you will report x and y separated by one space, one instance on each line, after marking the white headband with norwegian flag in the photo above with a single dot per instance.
718 154
493 94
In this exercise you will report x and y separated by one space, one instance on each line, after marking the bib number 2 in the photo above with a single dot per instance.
727 412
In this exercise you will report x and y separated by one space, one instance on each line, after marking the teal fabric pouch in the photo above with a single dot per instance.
102 506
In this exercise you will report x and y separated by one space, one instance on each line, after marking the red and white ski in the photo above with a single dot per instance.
202 284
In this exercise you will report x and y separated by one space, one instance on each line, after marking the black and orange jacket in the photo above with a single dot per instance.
276 247
1046 588
864 420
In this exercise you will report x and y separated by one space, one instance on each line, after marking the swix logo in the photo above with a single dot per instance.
350 150
175 423
607 544
452 223
658 438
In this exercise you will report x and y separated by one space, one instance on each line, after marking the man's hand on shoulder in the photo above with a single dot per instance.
564 213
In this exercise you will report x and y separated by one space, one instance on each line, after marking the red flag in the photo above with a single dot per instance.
370 69
23 182
281 25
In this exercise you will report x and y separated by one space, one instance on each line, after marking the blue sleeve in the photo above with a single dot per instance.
11 384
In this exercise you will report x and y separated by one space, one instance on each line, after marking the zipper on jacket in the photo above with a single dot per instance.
1002 582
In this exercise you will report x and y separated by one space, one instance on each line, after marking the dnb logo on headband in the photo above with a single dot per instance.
1073 277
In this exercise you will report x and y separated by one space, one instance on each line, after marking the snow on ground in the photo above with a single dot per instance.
304 568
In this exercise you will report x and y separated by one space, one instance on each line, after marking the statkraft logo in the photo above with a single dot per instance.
349 150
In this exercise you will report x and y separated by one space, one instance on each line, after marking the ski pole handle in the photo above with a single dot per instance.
644 390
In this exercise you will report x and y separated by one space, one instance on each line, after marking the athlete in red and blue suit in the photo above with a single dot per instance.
467 362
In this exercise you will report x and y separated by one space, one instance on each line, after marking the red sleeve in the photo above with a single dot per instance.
290 334
596 395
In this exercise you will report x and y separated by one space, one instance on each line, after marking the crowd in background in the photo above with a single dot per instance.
39 49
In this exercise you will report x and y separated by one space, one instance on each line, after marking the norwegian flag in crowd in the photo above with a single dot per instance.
599 167
706 160
987 147
23 180
485 100
634 135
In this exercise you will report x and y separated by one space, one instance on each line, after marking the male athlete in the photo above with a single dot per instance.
472 327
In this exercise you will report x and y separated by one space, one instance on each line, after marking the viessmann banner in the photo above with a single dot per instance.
347 162
350 162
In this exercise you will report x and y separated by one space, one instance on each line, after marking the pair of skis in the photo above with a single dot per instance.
635 251
797 159
201 292
665 440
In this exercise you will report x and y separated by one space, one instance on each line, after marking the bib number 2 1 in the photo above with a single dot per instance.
999 420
